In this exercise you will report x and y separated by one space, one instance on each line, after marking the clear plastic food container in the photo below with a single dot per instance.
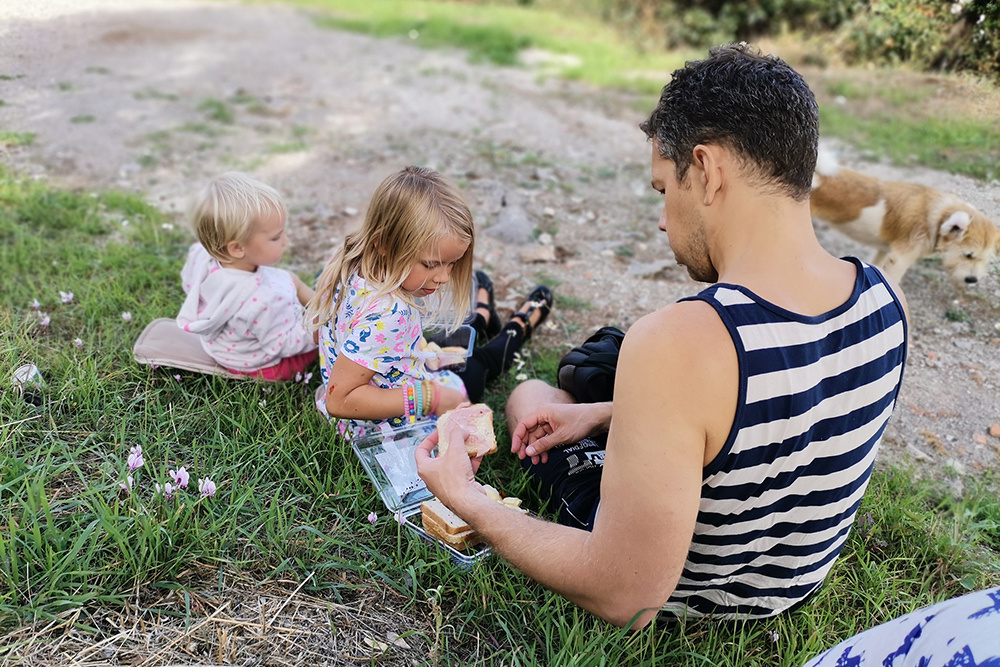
449 351
388 457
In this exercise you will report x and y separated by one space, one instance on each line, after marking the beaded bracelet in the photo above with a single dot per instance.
408 406
418 404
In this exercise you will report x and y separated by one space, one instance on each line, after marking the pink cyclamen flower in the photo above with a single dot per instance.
127 484
66 297
298 377
135 458
180 477
44 321
127 316
78 342
35 305
307 377
206 487
372 518
400 519
167 489
177 377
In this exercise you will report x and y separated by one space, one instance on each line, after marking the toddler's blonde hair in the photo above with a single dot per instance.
227 208
409 210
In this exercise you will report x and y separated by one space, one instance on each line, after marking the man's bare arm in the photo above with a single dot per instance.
650 494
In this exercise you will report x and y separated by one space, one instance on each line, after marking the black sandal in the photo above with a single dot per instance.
493 326
540 299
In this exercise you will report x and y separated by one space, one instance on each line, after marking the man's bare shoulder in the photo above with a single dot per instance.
685 325
680 364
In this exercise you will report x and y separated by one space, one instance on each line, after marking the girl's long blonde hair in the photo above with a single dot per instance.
408 211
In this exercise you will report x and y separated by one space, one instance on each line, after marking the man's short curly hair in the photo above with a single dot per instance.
754 104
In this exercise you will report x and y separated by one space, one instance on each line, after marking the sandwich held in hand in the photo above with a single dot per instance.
476 421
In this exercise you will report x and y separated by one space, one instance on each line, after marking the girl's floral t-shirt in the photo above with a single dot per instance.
381 335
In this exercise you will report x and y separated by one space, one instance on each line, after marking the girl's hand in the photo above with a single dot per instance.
449 399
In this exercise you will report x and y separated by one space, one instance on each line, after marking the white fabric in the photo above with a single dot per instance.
961 632
246 320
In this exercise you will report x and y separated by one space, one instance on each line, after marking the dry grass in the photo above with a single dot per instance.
208 619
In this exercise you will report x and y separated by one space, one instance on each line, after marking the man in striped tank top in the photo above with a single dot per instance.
726 474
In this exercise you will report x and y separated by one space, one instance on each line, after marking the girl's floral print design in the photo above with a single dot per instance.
380 335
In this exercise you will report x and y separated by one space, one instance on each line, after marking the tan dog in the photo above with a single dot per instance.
904 222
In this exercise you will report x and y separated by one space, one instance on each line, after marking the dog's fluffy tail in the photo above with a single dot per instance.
826 162
826 165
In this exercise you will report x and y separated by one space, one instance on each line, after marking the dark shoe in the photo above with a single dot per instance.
493 325
540 299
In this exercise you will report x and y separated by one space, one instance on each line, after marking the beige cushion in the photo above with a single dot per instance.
163 343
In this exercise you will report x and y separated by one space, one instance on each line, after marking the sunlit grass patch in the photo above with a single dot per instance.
579 46
9 138
958 145
218 111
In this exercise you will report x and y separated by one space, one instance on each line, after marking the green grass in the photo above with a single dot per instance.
217 110
959 145
292 498
8 138
498 34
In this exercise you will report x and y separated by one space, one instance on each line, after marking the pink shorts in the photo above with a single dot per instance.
284 369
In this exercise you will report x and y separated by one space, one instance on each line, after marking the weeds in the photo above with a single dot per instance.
8 138
218 111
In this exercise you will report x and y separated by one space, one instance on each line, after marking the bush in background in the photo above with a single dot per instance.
895 31
974 39
963 35
704 23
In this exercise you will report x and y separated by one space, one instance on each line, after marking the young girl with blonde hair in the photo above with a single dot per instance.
408 266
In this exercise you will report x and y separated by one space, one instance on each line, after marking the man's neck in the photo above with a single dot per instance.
767 244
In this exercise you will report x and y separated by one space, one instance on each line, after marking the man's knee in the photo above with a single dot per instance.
529 395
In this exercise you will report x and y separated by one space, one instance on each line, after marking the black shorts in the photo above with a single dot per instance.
570 481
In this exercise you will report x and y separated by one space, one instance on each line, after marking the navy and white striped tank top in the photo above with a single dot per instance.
814 397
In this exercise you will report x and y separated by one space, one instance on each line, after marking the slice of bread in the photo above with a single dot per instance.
434 510
477 421
442 523
463 540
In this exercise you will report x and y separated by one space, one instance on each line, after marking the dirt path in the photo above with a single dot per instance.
156 96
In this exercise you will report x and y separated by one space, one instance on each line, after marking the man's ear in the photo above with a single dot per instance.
707 167
235 249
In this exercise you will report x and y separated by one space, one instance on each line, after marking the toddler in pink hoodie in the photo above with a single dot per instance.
248 314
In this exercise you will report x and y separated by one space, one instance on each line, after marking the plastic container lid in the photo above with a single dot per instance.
387 455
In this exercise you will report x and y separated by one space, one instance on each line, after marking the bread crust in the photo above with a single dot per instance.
445 525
